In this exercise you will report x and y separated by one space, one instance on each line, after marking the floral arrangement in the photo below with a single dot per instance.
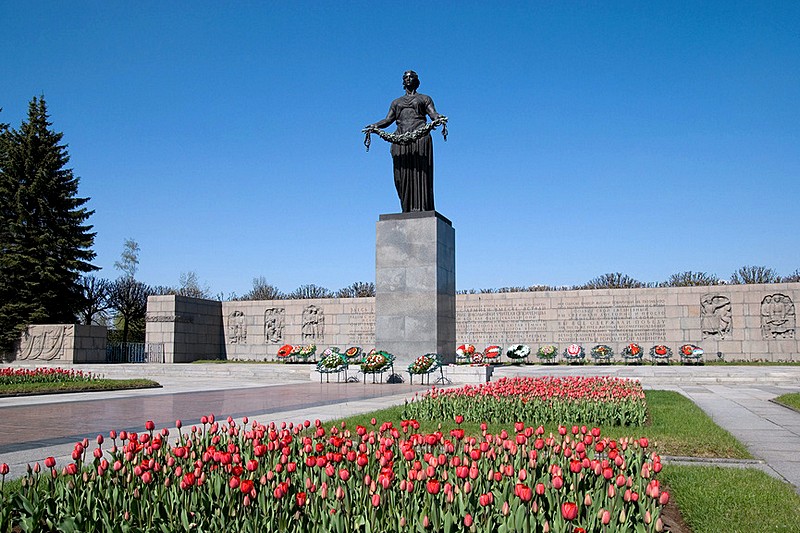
547 353
660 352
353 353
332 361
574 353
425 364
477 358
285 351
691 352
602 352
632 352
306 351
518 352
492 353
464 353
377 361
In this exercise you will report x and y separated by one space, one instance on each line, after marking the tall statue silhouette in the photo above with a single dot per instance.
412 146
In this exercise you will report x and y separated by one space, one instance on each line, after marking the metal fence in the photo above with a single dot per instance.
135 352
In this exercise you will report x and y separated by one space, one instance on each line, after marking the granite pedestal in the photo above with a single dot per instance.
415 284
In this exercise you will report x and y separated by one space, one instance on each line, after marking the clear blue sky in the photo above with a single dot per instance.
585 137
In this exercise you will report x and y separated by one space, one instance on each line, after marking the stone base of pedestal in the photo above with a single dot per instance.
415 286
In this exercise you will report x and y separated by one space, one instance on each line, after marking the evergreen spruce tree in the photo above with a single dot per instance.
45 242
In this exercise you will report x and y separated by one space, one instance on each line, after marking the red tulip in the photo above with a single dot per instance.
300 497
569 510
3 469
433 486
376 500
467 520
524 492
50 462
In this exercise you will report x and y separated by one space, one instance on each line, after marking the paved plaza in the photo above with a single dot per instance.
32 428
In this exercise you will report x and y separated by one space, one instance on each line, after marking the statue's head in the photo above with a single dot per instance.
410 80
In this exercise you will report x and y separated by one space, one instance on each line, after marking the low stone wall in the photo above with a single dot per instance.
62 343
738 322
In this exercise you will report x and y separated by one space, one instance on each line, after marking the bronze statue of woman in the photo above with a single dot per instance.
412 146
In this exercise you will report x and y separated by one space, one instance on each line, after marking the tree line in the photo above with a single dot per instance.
618 280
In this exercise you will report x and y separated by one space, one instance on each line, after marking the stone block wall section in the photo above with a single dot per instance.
741 322
62 343
189 328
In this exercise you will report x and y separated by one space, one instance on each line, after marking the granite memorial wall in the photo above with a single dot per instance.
736 322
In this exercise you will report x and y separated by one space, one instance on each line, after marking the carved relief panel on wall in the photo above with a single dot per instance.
313 324
273 325
42 343
237 328
715 316
777 317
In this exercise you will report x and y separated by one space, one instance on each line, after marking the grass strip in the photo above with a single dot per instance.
733 500
31 389
790 400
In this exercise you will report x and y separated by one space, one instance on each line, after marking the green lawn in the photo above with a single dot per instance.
30 389
714 499
676 426
792 400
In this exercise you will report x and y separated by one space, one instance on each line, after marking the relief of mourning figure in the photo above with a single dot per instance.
412 146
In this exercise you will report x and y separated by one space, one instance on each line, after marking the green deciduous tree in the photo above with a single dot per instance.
45 241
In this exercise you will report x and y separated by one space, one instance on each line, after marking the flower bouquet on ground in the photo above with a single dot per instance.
332 361
465 354
305 351
660 354
574 354
602 353
377 362
518 353
547 354
354 354
632 353
285 353
425 364
492 354
691 354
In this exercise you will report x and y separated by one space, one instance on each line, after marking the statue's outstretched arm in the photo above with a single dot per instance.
390 117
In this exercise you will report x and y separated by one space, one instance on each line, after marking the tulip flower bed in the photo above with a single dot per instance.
574 399
18 376
308 478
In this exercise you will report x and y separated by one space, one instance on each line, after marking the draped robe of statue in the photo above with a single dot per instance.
413 162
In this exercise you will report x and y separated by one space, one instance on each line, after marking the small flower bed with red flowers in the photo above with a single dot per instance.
18 376
226 476
573 399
